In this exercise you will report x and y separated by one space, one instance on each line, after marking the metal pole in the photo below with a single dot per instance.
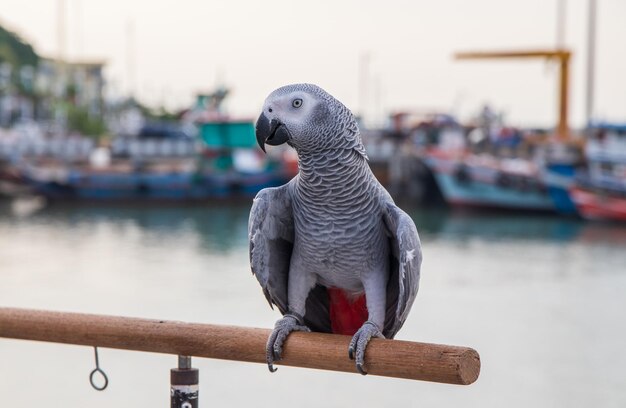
364 60
184 384
130 58
591 57
561 15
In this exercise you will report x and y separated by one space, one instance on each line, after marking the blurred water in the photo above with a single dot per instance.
541 298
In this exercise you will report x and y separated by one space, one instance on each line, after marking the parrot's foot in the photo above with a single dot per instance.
284 326
359 343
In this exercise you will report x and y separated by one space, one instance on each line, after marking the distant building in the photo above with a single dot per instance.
79 82
63 97
45 93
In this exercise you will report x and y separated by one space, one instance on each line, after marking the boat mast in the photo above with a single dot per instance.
561 14
591 57
61 40
364 62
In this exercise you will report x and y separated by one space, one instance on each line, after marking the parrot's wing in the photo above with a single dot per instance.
270 233
406 259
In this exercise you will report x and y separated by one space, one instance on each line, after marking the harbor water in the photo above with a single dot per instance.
542 298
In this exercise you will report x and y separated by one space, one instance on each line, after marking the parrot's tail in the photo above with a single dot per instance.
347 313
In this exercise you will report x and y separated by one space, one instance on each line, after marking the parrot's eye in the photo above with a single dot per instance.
297 103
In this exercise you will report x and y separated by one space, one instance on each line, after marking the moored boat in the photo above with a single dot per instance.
595 204
562 161
600 191
484 181
87 184
226 164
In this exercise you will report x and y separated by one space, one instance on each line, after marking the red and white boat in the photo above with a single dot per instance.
600 193
599 204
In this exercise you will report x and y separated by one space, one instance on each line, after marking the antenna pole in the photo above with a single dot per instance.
591 58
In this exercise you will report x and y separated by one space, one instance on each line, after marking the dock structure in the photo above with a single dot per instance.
391 358
563 56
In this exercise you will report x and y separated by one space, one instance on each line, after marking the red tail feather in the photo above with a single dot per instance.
347 314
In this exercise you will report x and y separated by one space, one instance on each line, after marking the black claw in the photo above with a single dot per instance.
359 368
351 353
271 367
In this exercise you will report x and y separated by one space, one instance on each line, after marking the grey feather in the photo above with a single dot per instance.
271 235
404 279
333 225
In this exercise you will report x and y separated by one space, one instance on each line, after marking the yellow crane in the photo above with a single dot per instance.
562 56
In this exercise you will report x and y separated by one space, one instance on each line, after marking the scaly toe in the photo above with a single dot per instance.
359 343
278 350
269 357
274 347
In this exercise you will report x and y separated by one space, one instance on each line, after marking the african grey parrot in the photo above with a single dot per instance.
330 248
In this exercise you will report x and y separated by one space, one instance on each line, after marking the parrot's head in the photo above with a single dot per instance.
307 118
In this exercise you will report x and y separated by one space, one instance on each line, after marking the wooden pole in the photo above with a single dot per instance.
562 127
391 358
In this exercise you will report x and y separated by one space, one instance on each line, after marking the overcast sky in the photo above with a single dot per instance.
180 47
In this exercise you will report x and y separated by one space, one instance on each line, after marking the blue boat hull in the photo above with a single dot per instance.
462 184
481 194
559 179
157 187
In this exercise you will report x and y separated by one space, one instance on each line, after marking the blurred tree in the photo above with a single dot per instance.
79 120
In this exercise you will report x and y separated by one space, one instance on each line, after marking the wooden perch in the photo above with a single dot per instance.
391 358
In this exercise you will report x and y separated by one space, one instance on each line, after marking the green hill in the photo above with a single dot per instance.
15 51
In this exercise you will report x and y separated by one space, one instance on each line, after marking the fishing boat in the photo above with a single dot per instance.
596 203
149 184
205 155
514 180
227 164
488 182
599 192
562 162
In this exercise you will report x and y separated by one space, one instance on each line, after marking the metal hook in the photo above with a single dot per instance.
98 370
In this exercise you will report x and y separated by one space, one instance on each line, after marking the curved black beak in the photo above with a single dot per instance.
271 132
